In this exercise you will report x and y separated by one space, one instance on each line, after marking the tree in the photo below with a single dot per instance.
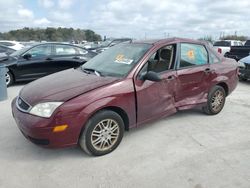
234 37
50 34
207 38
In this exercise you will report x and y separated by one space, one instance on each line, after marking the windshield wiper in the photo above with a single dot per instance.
88 70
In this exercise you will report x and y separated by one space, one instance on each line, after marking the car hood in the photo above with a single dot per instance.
245 60
62 86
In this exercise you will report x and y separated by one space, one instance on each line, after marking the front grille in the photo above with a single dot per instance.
35 140
39 141
22 105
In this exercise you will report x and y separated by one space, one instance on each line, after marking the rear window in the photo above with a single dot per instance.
65 50
247 43
235 43
222 43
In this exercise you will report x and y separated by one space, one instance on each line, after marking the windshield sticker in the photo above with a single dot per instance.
190 54
121 59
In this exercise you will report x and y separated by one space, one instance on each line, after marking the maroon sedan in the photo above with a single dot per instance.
123 87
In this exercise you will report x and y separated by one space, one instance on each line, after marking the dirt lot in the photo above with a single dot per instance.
188 149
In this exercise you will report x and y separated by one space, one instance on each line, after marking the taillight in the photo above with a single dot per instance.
219 50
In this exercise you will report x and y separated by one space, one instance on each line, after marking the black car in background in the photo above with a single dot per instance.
239 52
109 43
44 59
6 50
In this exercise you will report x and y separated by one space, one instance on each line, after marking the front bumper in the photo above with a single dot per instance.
40 130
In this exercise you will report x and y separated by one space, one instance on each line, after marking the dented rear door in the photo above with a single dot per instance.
193 75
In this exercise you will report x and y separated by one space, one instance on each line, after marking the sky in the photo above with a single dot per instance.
130 18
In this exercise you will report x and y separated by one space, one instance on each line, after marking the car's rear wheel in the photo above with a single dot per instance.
102 134
216 100
9 79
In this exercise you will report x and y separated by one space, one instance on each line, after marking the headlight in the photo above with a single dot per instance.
241 64
45 109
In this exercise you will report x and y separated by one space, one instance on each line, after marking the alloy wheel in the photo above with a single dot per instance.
7 78
105 134
217 101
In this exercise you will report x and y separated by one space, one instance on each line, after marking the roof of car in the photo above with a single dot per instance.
55 43
8 41
168 40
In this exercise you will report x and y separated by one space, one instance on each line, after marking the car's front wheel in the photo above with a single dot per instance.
102 133
216 100
9 79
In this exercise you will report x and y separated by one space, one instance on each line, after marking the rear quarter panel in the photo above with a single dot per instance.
225 72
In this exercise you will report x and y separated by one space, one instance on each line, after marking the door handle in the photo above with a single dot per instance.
170 77
76 57
207 70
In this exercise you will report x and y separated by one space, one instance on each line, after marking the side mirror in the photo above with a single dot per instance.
27 56
151 76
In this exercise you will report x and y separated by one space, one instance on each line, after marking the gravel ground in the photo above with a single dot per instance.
188 149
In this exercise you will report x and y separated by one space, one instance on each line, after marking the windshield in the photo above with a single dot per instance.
117 61
19 52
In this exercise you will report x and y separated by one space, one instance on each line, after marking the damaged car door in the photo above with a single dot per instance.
193 72
155 85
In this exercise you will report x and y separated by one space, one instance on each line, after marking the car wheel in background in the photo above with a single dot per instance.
216 100
9 79
102 134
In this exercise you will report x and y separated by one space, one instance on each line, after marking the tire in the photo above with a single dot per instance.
98 138
216 100
9 79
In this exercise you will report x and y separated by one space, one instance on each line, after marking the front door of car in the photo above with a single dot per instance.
156 99
32 64
193 75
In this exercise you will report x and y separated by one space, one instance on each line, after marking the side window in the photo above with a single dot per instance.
65 50
213 58
157 64
193 55
162 60
40 51
81 51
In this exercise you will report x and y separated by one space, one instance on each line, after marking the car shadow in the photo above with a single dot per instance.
23 150
245 82
179 114
17 148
